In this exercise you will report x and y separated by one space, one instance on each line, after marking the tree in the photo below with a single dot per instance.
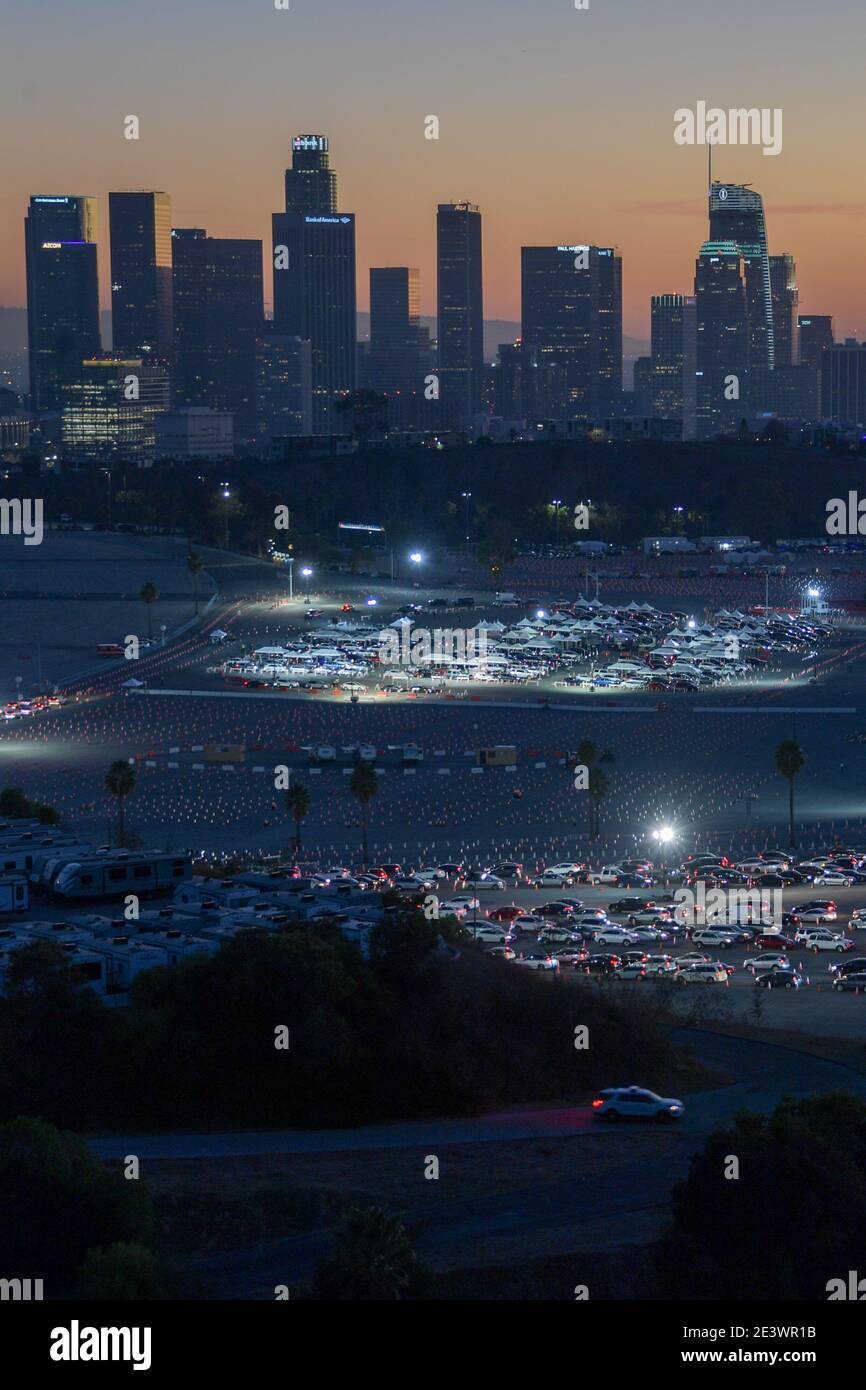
364 784
373 1259
14 805
733 1234
298 803
57 1201
789 759
148 594
120 783
599 786
195 565
123 1270
366 410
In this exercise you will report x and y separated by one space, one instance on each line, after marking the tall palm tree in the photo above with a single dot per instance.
599 786
364 784
195 565
148 594
298 803
119 783
789 759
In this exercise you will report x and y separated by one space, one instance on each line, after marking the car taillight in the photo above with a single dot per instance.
597 1104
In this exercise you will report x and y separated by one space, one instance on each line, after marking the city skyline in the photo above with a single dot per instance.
587 154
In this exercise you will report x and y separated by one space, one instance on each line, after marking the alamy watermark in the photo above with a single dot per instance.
438 646
22 517
736 126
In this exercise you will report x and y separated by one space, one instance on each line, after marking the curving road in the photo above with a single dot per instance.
449 1234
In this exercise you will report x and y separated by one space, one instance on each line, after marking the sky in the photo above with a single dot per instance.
558 122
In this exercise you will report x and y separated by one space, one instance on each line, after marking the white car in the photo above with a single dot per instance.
693 958
706 973
569 869
713 936
553 878
649 916
815 914
488 932
766 960
458 907
615 936
660 965
609 874
833 877
488 884
827 941
633 1102
537 962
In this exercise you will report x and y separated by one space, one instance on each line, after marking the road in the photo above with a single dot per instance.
450 1233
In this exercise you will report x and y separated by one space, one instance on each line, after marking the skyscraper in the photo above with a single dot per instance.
218 315
843 384
737 215
395 321
786 299
314 299
284 386
105 417
816 334
722 347
62 294
460 309
314 277
666 330
141 273
311 185
571 311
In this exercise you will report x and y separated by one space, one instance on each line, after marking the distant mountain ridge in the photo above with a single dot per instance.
13 334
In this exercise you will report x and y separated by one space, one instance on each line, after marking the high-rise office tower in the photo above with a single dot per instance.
460 308
737 215
843 384
62 294
395 320
314 299
314 277
666 349
516 380
141 280
284 386
572 314
690 363
218 315
786 299
642 385
722 338
816 334
311 185
102 419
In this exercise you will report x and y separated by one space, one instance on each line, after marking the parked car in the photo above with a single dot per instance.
766 960
537 962
707 973
779 979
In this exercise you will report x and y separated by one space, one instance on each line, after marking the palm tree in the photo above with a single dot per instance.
148 594
599 786
195 565
120 782
373 1259
298 803
789 759
364 784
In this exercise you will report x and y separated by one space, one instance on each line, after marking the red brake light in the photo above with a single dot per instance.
596 1104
